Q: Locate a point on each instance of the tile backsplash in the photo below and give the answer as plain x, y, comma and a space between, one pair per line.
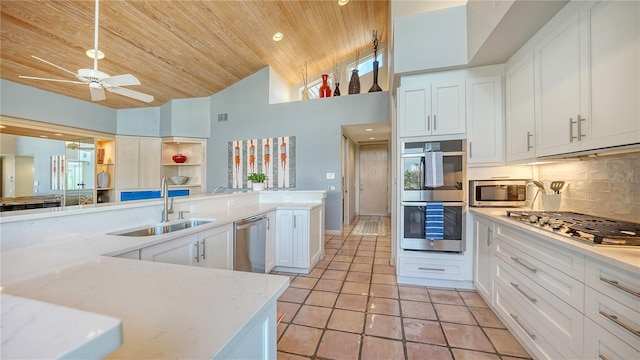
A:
607, 186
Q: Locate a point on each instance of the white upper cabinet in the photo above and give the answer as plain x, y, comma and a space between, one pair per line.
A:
520, 118
610, 32
431, 108
485, 129
557, 90
587, 80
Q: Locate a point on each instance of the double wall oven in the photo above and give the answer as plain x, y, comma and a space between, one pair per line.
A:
433, 194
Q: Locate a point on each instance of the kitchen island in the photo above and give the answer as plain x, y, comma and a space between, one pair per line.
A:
166, 310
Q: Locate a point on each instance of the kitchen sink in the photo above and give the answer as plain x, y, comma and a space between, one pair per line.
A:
163, 228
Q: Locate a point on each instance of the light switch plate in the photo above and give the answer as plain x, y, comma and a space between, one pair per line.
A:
331, 176
196, 208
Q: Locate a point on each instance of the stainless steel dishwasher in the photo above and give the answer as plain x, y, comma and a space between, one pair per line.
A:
250, 236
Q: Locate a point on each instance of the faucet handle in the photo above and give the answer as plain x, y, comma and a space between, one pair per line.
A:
181, 214
170, 211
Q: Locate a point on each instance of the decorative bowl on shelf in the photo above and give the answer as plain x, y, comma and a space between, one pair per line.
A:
178, 179
179, 158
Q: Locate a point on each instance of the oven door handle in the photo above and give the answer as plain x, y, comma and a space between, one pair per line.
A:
424, 203
421, 171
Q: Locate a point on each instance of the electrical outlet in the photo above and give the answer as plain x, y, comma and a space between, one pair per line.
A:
332, 187
196, 208
231, 203
331, 176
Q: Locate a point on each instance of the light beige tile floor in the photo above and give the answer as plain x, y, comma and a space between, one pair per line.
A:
350, 307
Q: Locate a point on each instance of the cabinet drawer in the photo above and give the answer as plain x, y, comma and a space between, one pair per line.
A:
445, 269
556, 318
601, 344
559, 284
620, 320
521, 323
622, 285
540, 248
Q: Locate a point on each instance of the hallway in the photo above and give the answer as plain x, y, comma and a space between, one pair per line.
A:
350, 307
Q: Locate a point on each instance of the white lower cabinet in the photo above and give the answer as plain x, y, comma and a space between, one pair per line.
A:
433, 266
558, 303
483, 259
298, 239
210, 248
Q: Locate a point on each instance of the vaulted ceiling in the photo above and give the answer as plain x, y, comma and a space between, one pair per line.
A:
181, 49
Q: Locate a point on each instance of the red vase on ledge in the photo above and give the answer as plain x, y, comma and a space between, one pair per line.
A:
179, 158
325, 89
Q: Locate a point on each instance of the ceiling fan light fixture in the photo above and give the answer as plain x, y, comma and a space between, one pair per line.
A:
91, 54
343, 2
278, 36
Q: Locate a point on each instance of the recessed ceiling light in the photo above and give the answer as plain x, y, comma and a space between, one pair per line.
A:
2, 126
91, 53
343, 2
44, 136
57, 134
278, 36
368, 129
372, 138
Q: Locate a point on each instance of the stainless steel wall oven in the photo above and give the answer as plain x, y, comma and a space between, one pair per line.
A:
433, 196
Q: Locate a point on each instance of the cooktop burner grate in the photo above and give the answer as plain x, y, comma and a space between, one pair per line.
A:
593, 229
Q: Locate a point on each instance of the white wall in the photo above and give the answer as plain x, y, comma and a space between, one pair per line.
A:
431, 40
315, 123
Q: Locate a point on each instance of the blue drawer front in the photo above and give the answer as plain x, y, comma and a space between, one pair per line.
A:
150, 194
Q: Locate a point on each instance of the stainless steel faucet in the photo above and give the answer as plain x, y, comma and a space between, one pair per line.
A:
217, 188
164, 192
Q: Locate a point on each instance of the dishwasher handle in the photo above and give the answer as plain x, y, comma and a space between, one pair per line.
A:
247, 223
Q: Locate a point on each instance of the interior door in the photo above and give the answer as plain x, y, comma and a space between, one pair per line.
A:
373, 180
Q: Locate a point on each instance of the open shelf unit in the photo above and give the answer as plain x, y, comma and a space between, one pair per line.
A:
194, 167
108, 165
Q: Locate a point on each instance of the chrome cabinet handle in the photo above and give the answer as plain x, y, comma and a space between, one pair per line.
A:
571, 137
197, 245
434, 122
489, 232
429, 122
523, 264
430, 269
203, 251
621, 287
515, 318
529, 135
620, 323
580, 120
268, 224
517, 287
295, 223
470, 149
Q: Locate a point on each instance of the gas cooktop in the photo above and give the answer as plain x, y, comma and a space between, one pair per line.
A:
586, 228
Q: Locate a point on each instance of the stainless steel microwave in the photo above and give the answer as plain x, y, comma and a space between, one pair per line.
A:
497, 193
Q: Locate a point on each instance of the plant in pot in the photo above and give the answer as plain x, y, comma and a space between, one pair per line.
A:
257, 181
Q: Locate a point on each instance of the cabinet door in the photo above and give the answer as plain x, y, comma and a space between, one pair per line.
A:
483, 257
414, 110
285, 239
485, 121
216, 248
127, 160
270, 248
557, 76
149, 170
448, 110
520, 111
301, 238
182, 251
610, 33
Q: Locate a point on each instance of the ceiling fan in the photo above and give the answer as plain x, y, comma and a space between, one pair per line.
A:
97, 80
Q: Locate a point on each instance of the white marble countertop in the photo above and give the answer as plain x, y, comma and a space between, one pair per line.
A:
166, 310
48, 333
622, 256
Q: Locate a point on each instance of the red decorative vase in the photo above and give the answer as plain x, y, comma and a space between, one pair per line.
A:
179, 158
325, 89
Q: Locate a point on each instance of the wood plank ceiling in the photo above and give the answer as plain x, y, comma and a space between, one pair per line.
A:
181, 49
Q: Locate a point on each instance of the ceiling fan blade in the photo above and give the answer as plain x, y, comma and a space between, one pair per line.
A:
47, 79
97, 93
132, 94
121, 80
52, 64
